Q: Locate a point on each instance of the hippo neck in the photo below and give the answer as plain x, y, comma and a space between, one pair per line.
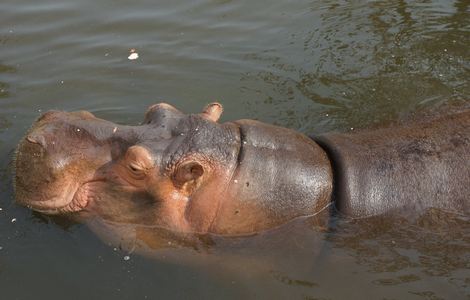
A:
405, 169
280, 175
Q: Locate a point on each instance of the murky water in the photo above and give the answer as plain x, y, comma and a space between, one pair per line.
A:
310, 65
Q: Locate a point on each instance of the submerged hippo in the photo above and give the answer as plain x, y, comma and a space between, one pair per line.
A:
188, 173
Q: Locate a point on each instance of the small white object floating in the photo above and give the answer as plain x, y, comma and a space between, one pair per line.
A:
134, 55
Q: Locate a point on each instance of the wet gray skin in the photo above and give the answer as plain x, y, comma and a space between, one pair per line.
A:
181, 172
188, 173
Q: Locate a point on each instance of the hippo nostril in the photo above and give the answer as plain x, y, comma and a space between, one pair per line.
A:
31, 140
35, 139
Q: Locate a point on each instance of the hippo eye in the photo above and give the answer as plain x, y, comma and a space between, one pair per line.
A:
137, 161
135, 168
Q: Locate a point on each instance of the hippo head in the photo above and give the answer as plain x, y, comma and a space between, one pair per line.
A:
182, 172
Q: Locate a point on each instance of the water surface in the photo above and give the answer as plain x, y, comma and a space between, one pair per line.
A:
313, 66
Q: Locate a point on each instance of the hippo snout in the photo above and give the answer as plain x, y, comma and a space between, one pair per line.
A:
56, 157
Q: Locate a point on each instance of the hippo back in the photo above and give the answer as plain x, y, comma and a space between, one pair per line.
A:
408, 168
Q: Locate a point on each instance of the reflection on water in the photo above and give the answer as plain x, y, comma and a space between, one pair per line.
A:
400, 252
388, 251
309, 65
436, 242
370, 63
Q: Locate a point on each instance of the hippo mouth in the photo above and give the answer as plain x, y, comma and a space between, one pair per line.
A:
75, 198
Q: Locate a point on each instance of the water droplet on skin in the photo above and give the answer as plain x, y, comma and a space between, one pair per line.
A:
78, 129
352, 128
236, 181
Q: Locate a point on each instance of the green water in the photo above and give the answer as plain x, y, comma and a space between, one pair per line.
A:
313, 66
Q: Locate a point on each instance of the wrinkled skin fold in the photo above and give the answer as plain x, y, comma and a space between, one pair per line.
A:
190, 174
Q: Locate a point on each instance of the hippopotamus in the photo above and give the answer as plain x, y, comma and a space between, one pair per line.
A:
189, 173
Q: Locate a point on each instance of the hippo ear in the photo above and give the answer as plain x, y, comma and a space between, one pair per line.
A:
212, 112
188, 176
157, 113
